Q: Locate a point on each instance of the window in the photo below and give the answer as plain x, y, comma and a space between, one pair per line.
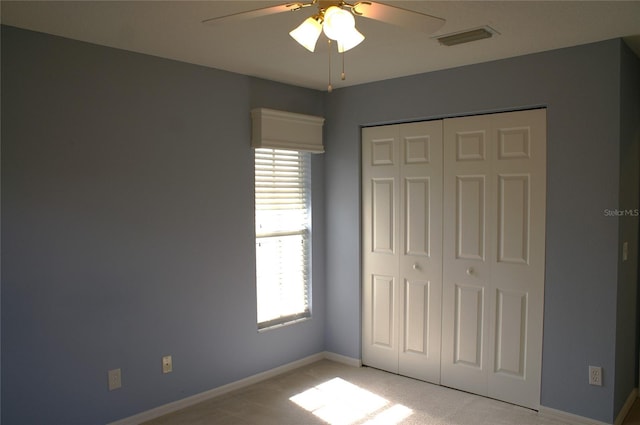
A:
283, 236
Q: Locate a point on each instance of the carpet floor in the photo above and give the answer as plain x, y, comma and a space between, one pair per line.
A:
326, 392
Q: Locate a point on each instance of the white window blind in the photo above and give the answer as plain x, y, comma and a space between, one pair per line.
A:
282, 193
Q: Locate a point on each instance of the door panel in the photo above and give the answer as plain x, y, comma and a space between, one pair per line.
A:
383, 151
513, 219
417, 207
514, 142
469, 217
416, 317
511, 333
468, 325
466, 244
506, 151
470, 145
517, 272
402, 223
383, 306
383, 215
380, 223
420, 262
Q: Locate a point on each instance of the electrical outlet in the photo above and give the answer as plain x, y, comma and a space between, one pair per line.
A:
115, 379
167, 364
595, 375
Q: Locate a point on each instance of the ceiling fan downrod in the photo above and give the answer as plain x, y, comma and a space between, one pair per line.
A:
329, 87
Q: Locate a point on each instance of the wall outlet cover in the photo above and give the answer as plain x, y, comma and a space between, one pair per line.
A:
595, 375
167, 364
115, 379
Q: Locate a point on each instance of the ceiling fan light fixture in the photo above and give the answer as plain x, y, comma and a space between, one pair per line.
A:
336, 19
338, 23
307, 33
350, 40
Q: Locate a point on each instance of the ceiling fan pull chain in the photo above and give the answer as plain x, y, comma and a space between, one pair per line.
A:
330, 87
343, 74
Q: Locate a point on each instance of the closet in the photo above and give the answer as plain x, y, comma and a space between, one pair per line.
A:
453, 216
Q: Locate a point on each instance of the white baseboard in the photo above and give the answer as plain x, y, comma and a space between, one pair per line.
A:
197, 398
626, 407
339, 358
566, 417
571, 419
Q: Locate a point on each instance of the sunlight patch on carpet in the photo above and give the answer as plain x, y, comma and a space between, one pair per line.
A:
339, 402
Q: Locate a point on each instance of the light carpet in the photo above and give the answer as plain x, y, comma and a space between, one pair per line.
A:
326, 392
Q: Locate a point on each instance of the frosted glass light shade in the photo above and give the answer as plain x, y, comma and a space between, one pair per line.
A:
307, 33
337, 22
350, 40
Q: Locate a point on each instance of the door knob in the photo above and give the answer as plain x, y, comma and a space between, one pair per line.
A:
470, 271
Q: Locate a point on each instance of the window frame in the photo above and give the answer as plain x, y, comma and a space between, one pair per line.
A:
296, 226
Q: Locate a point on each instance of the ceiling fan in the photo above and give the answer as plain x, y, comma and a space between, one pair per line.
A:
336, 19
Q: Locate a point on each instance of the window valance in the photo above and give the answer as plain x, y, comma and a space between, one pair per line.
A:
286, 130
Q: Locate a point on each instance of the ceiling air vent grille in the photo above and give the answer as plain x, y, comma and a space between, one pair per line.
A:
466, 36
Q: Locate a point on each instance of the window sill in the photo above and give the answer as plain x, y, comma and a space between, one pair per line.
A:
285, 324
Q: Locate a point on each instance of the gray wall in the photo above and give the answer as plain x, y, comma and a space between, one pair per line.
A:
127, 221
128, 230
580, 87
626, 335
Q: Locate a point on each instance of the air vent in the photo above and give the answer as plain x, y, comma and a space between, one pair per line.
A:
466, 36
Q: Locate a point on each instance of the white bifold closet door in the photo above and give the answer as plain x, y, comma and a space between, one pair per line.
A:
453, 252
402, 260
493, 255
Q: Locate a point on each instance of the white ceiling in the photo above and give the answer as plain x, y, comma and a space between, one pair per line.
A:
262, 47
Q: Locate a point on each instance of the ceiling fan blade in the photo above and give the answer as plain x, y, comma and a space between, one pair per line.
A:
397, 16
256, 13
